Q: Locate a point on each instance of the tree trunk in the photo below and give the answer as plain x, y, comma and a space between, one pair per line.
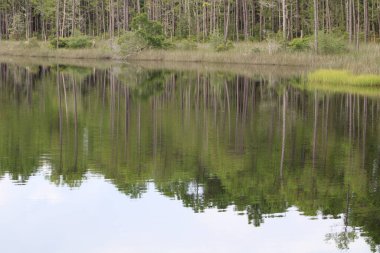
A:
73, 18
316, 25
237, 20
57, 21
284, 14
245, 19
126, 15
366, 26
226, 18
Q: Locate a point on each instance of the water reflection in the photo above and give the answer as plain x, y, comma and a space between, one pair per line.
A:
212, 140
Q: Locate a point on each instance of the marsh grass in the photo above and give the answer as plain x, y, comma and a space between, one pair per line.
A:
340, 81
369, 91
43, 49
343, 77
366, 60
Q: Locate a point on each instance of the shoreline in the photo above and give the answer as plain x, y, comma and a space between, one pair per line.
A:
366, 60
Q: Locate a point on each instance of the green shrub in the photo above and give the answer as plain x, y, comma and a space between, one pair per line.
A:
72, 42
187, 44
62, 43
331, 44
299, 44
131, 43
79, 42
150, 31
219, 44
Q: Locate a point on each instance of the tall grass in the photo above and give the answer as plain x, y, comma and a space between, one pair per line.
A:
366, 60
369, 91
43, 49
343, 77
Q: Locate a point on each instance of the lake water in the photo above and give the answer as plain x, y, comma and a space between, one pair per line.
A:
122, 158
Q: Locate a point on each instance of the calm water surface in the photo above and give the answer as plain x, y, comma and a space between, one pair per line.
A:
124, 159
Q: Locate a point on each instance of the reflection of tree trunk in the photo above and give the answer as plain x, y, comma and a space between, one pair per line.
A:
154, 128
283, 134
364, 129
75, 126
64, 94
60, 120
245, 99
347, 208
315, 127
139, 135
326, 129
350, 118
228, 107
126, 93
226, 19
237, 113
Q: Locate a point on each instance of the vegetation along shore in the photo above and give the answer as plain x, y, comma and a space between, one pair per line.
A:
322, 34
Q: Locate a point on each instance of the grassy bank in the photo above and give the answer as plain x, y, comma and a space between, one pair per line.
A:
43, 49
366, 60
341, 81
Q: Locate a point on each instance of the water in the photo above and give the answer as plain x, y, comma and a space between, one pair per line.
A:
120, 158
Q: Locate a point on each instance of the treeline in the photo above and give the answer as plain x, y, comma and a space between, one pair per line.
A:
234, 19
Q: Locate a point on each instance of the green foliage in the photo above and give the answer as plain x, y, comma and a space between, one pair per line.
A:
150, 31
32, 43
79, 42
219, 44
299, 44
182, 28
342, 77
187, 44
17, 29
131, 43
331, 44
60, 43
191, 152
72, 42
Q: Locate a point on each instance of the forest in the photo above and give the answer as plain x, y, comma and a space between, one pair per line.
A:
198, 20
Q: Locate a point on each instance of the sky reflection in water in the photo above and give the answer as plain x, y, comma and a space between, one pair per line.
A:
41, 217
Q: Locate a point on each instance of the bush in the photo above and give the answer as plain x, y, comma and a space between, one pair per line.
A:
31, 43
219, 44
131, 43
187, 45
72, 42
150, 31
79, 42
62, 43
331, 44
299, 44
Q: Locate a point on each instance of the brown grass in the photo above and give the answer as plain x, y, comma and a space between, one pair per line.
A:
15, 48
366, 60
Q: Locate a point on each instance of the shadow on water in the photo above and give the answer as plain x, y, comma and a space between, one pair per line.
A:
209, 138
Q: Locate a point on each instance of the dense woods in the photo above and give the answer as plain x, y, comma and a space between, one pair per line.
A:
198, 19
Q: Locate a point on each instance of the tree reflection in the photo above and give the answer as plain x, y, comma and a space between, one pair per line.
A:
211, 140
